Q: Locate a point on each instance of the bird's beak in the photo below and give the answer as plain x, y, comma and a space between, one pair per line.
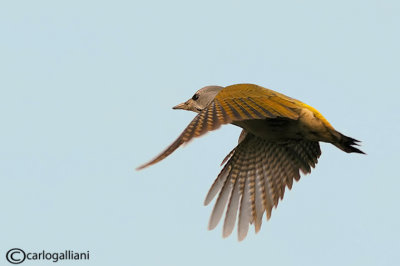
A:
183, 106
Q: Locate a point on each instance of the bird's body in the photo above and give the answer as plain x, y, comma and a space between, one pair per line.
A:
280, 137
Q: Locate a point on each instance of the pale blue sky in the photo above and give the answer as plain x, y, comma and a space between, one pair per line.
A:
86, 94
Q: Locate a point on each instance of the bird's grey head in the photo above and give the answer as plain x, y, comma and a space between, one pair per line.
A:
200, 99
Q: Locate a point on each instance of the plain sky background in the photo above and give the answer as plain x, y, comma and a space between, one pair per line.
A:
86, 90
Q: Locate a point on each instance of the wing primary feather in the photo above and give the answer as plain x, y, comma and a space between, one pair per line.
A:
223, 197
290, 171
297, 164
231, 212
272, 175
288, 168
178, 142
227, 157
251, 188
282, 174
259, 193
218, 184
270, 199
244, 212
263, 182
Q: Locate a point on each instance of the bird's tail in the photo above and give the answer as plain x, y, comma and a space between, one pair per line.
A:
347, 144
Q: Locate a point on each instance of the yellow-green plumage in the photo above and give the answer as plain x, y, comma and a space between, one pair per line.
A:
280, 137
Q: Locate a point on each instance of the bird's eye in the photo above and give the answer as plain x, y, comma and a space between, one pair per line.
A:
195, 97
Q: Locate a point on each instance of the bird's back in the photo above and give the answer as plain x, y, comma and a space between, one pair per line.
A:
288, 118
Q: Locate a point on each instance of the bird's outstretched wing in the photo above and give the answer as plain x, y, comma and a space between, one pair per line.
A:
254, 179
234, 103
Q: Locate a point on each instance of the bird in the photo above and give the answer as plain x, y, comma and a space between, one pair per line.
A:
279, 139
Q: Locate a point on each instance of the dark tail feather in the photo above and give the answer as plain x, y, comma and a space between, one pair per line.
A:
347, 144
